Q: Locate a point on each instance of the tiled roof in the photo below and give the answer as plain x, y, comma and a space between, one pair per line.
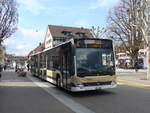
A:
40, 48
58, 31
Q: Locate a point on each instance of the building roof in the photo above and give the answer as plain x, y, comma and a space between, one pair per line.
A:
61, 31
40, 48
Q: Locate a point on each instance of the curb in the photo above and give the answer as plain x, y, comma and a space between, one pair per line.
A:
133, 83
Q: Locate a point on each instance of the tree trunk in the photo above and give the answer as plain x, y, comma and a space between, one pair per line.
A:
134, 59
148, 62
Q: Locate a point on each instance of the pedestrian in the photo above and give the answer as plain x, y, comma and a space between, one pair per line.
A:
16, 68
136, 66
5, 67
28, 66
126, 65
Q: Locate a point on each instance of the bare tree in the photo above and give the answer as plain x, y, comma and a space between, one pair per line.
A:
145, 23
144, 15
8, 18
125, 24
98, 32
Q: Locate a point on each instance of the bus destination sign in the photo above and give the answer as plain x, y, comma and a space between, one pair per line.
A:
94, 44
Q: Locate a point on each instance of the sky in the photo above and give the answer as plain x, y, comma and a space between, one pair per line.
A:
35, 15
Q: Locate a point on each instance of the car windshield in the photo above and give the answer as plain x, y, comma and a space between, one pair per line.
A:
94, 61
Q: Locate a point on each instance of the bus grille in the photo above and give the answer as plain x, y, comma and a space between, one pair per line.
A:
97, 83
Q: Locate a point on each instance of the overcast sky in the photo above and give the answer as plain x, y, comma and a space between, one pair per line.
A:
35, 15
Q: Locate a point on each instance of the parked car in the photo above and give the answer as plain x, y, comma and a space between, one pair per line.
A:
141, 66
21, 72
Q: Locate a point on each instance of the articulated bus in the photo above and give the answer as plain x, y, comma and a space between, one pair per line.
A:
77, 65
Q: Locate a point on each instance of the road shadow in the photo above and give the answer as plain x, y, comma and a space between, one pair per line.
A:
12, 76
77, 94
86, 93
28, 99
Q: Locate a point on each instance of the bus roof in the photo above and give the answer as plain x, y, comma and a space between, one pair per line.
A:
72, 41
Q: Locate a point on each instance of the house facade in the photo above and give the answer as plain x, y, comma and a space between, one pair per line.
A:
59, 34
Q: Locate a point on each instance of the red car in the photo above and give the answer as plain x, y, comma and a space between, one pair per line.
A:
21, 72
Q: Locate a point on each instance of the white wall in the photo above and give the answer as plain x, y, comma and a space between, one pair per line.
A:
48, 39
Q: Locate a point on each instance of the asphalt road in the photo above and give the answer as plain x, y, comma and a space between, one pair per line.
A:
21, 95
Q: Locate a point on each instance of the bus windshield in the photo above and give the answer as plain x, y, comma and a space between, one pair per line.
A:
95, 62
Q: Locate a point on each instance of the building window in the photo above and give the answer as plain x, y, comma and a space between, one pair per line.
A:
67, 33
49, 41
80, 34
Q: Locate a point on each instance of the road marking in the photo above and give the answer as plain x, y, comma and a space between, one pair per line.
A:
74, 106
17, 84
131, 83
11, 80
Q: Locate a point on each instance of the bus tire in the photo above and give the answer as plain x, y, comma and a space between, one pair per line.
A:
58, 82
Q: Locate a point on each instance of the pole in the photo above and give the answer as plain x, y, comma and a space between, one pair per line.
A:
147, 38
148, 62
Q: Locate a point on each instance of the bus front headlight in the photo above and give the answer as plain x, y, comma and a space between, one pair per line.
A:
113, 83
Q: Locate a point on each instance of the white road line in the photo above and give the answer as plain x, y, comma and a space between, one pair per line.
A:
74, 106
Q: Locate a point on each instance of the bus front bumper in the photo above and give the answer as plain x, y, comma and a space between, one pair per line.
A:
88, 88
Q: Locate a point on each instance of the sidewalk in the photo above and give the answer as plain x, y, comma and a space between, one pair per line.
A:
130, 77
130, 70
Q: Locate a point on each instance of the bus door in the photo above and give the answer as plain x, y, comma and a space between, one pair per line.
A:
65, 71
65, 64
38, 65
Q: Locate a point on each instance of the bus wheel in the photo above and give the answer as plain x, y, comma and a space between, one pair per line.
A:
58, 82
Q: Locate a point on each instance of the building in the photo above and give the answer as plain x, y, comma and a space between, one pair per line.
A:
12, 60
58, 34
123, 60
39, 48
